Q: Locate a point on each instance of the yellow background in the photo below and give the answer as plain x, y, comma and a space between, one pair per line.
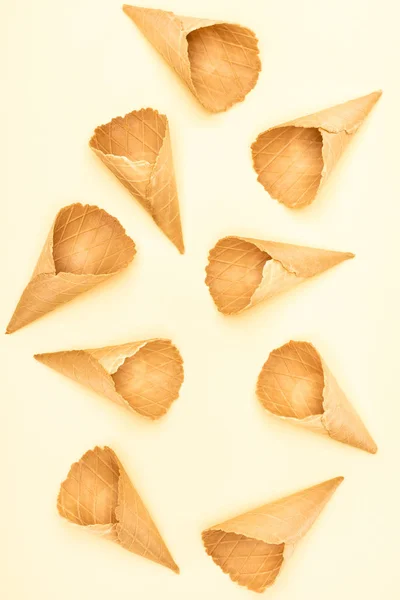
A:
73, 65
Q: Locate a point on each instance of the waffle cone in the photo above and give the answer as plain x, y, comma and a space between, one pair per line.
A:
251, 547
294, 160
137, 149
98, 495
296, 385
143, 376
242, 272
218, 61
85, 247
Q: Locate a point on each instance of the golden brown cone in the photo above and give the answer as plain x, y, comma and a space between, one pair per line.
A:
243, 271
85, 247
98, 495
251, 547
144, 376
294, 160
137, 149
296, 385
218, 61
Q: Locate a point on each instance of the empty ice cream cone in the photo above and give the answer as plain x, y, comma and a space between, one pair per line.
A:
99, 496
243, 271
251, 547
218, 61
295, 159
137, 149
144, 376
296, 385
85, 247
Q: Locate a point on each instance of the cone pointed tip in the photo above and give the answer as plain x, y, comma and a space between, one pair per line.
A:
128, 8
39, 357
178, 243
375, 94
348, 255
176, 569
11, 328
336, 481
344, 256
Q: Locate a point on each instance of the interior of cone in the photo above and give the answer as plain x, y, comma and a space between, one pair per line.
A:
291, 382
224, 64
87, 240
89, 495
234, 273
150, 380
137, 136
289, 163
249, 562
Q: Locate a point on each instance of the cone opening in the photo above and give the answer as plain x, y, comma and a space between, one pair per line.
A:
89, 495
289, 163
224, 64
249, 562
138, 136
291, 382
150, 380
87, 240
234, 272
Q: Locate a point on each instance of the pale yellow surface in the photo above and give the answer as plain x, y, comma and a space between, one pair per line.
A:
73, 65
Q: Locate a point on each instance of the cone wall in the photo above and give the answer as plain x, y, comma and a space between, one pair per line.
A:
218, 61
85, 247
295, 384
252, 547
242, 272
137, 150
143, 376
294, 160
99, 496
